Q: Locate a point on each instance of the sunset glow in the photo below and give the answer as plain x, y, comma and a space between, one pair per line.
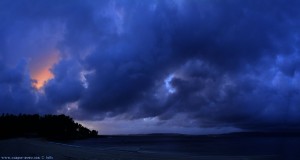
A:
40, 68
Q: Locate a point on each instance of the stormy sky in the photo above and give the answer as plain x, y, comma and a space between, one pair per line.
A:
132, 66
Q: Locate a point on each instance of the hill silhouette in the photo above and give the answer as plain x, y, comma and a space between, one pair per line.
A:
55, 127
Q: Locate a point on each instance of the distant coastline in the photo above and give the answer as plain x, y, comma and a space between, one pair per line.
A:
231, 134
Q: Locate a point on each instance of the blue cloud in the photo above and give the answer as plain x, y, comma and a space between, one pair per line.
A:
234, 63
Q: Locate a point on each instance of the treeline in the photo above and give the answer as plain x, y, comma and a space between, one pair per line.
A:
55, 127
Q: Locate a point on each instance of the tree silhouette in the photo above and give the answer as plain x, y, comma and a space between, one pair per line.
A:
56, 127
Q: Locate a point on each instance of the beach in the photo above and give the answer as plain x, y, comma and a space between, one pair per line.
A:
32, 148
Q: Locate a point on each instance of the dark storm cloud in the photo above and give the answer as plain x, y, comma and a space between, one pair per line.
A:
233, 37
220, 63
252, 100
28, 31
15, 89
66, 87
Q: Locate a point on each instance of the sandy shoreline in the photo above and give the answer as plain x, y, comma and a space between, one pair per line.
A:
21, 148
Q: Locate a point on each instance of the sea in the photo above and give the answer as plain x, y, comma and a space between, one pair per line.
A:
285, 147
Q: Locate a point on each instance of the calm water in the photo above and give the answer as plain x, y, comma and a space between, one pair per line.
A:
283, 147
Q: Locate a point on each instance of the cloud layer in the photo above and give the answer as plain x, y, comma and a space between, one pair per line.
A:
207, 63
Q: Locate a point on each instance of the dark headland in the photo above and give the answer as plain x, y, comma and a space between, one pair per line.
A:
51, 127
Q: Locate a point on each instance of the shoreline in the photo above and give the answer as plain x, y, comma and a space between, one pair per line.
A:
42, 149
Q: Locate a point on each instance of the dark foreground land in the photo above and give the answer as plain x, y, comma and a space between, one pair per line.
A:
224, 147
54, 127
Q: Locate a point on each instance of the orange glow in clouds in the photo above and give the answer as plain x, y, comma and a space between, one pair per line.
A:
40, 68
